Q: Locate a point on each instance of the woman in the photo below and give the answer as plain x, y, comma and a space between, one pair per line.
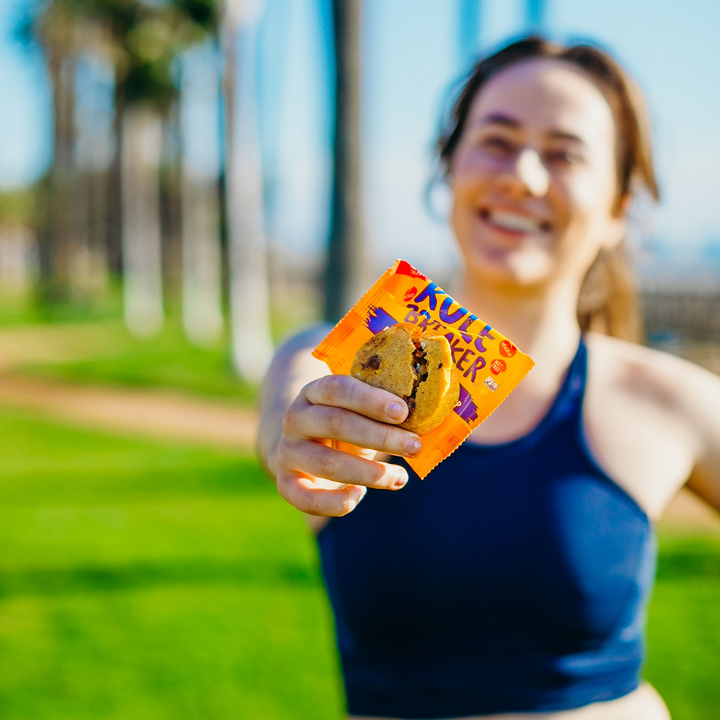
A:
513, 581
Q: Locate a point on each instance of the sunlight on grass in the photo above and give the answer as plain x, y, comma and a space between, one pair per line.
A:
149, 580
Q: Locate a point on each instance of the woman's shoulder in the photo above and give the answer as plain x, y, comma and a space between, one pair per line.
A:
655, 421
665, 380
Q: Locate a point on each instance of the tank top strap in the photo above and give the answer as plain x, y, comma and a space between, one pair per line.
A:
569, 400
577, 374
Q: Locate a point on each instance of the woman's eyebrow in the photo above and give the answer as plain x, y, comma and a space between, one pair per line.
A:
510, 122
499, 119
564, 135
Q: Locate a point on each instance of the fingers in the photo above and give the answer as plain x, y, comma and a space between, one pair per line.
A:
332, 423
352, 394
319, 479
317, 497
319, 461
305, 495
345, 409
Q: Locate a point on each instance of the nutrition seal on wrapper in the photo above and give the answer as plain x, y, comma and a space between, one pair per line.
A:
406, 335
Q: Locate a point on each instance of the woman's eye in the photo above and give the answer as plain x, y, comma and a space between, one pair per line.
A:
498, 145
563, 157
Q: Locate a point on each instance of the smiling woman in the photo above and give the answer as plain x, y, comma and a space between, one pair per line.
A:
514, 580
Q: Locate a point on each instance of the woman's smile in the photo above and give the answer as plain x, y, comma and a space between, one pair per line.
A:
514, 224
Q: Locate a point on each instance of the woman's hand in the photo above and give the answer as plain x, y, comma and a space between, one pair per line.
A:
317, 477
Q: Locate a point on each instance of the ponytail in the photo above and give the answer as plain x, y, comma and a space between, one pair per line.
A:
608, 301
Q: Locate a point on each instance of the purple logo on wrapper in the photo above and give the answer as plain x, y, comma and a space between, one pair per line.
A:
378, 320
465, 407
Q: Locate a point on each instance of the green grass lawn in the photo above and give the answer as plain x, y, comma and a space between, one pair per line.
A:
151, 580
143, 580
684, 627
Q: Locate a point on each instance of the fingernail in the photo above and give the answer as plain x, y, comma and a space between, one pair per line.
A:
413, 446
363, 492
401, 481
395, 410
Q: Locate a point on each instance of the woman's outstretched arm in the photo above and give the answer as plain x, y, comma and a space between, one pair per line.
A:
306, 416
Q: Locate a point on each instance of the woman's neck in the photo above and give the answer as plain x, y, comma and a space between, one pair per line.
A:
541, 321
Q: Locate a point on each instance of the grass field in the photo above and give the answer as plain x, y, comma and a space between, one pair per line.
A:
147, 580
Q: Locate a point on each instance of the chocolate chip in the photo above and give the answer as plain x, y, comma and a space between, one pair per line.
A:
373, 363
411, 404
439, 366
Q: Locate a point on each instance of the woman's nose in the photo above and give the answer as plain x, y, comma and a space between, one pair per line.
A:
530, 175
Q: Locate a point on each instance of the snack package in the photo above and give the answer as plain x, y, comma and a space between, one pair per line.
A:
488, 366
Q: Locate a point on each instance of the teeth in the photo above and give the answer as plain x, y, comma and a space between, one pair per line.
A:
510, 221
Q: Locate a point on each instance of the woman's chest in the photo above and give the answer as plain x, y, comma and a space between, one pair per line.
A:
493, 545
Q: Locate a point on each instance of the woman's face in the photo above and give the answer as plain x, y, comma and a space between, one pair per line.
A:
534, 177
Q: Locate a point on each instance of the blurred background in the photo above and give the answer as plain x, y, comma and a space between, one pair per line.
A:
170, 182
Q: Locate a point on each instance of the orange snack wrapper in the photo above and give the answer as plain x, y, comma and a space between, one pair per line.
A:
489, 365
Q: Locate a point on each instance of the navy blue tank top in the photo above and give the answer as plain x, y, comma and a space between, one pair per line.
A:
513, 579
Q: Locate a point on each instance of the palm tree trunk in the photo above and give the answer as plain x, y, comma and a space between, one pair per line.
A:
202, 279
345, 273
141, 237
62, 176
201, 260
114, 184
251, 339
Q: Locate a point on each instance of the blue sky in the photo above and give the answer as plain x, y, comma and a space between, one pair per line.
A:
411, 57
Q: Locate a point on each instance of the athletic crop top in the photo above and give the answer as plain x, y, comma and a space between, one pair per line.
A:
513, 579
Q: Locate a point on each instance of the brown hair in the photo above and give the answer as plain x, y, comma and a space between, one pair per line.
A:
608, 300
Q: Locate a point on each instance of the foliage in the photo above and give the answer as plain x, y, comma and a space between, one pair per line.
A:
143, 39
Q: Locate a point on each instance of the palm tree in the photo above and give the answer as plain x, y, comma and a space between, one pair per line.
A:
141, 229
201, 248
143, 39
249, 284
147, 42
345, 278
55, 30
